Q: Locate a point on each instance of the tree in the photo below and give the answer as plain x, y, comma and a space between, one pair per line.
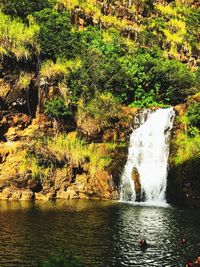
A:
57, 109
56, 38
23, 8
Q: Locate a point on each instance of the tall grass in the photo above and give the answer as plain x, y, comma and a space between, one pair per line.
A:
67, 148
187, 148
38, 172
70, 148
58, 70
18, 39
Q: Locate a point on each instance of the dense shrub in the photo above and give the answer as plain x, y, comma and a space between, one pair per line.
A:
57, 109
192, 35
56, 38
149, 75
108, 61
194, 115
61, 260
23, 8
99, 112
17, 39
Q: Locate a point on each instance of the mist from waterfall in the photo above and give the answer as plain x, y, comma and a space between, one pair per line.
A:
148, 156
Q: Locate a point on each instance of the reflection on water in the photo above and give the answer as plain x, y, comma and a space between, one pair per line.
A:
102, 233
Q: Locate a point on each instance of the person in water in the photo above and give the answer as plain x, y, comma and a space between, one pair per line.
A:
189, 264
143, 244
197, 262
183, 241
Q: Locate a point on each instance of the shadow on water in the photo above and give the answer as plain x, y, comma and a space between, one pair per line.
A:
101, 233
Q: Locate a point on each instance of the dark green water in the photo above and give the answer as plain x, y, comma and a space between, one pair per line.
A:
101, 233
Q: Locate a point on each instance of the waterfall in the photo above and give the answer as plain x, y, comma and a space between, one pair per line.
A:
145, 173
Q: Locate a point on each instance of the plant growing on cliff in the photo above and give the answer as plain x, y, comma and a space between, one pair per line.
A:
24, 80
31, 163
67, 148
17, 39
99, 112
57, 109
55, 37
72, 149
24, 8
194, 115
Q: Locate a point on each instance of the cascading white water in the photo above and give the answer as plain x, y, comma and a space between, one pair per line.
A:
148, 154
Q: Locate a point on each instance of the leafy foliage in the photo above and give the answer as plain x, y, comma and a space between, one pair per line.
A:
61, 260
194, 115
98, 113
18, 39
25, 7
143, 70
57, 109
56, 38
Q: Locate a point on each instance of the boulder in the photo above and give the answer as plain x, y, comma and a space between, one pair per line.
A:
135, 176
69, 194
27, 194
16, 195
83, 196
6, 193
40, 196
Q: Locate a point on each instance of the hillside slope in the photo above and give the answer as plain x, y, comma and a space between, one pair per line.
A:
73, 74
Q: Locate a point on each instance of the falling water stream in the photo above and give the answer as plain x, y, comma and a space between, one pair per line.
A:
148, 158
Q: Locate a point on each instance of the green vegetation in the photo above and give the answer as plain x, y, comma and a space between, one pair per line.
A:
186, 145
18, 39
85, 65
194, 115
57, 109
47, 154
61, 260
98, 113
183, 180
145, 69
24, 8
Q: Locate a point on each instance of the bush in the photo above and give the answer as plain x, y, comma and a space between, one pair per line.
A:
61, 260
23, 8
194, 115
91, 77
17, 39
99, 112
57, 109
56, 38
32, 162
59, 70
70, 148
67, 148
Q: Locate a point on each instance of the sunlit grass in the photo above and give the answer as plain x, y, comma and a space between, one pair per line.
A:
60, 69
18, 39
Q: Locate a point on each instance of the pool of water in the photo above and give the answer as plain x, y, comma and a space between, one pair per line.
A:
101, 233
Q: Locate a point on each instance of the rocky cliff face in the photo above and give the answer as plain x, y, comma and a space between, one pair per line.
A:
31, 169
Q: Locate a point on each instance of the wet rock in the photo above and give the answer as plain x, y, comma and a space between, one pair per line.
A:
83, 196
135, 176
16, 195
27, 195
6, 193
34, 185
51, 194
40, 196
69, 194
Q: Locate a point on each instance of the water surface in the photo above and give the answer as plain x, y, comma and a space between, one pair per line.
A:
101, 233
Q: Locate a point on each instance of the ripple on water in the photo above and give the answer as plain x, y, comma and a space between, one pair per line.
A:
103, 234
